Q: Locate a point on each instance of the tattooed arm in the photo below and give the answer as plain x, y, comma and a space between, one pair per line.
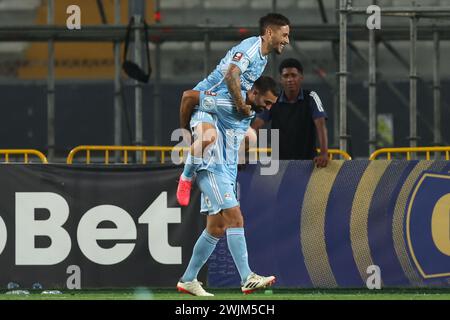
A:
233, 81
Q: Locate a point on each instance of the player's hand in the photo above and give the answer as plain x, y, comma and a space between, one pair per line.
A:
321, 161
246, 110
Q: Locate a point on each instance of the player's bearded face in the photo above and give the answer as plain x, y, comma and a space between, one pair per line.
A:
279, 38
263, 101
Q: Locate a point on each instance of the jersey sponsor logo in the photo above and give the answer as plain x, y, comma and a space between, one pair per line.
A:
428, 225
210, 93
209, 102
238, 56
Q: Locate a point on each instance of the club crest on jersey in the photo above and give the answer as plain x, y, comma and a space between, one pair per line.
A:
209, 102
238, 56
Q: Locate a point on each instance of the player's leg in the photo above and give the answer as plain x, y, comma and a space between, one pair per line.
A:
236, 240
203, 248
204, 135
238, 247
224, 197
206, 243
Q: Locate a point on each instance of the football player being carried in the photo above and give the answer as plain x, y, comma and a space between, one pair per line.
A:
236, 72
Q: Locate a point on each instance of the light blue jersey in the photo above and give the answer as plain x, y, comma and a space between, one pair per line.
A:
231, 125
248, 57
216, 176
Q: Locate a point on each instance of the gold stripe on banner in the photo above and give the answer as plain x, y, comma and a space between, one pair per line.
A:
359, 220
312, 233
398, 223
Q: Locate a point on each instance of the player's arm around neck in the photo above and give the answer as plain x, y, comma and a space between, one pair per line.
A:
233, 81
189, 100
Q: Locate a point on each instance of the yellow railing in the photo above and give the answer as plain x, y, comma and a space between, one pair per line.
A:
409, 151
25, 152
331, 152
125, 150
334, 152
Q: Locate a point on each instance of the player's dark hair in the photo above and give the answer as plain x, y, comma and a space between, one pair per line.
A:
264, 84
290, 63
272, 19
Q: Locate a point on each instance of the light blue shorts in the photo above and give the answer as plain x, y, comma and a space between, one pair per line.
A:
201, 117
218, 192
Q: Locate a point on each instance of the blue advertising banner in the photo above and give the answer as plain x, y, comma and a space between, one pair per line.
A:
93, 227
327, 227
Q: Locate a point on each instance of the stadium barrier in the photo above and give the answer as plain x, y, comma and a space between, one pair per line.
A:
125, 150
331, 153
22, 152
409, 150
120, 226
162, 150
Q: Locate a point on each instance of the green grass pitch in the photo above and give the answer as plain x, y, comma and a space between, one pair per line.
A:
227, 294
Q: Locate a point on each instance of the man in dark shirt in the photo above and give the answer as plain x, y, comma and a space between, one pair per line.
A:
299, 116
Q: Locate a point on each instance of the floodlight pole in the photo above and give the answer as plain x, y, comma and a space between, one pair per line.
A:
51, 85
372, 92
157, 117
137, 85
437, 89
343, 137
117, 84
413, 83
336, 90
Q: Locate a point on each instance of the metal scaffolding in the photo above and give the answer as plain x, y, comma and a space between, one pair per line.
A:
138, 100
51, 86
337, 33
414, 14
157, 113
372, 92
117, 83
437, 89
169, 33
